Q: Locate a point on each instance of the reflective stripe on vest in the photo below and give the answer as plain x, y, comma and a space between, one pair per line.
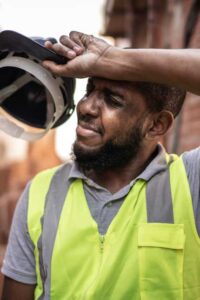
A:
141, 255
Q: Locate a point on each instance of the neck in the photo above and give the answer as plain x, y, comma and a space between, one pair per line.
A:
115, 179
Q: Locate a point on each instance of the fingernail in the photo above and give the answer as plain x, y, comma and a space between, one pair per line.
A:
77, 48
71, 54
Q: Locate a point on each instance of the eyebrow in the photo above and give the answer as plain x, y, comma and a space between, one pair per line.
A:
113, 92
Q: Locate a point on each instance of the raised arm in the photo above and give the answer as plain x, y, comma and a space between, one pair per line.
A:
90, 56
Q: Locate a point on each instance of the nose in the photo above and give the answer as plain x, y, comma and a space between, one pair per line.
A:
88, 106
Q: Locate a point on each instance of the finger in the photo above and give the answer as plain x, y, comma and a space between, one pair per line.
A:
73, 45
61, 50
76, 37
55, 68
48, 45
84, 39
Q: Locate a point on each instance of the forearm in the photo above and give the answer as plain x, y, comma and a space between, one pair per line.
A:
180, 67
14, 290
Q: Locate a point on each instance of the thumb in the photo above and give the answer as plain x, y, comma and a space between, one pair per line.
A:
53, 67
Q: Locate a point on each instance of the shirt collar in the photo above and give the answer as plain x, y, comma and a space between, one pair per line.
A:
157, 165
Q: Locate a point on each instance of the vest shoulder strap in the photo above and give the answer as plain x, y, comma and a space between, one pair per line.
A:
37, 193
47, 195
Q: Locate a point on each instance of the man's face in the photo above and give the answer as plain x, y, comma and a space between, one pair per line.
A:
109, 127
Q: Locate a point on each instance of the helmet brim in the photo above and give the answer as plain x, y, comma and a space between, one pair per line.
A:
14, 41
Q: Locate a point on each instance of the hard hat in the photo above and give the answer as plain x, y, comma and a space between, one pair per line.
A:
32, 100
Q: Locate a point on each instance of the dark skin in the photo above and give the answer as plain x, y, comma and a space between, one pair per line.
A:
108, 107
14, 290
90, 56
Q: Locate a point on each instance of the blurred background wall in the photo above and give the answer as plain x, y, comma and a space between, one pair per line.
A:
133, 23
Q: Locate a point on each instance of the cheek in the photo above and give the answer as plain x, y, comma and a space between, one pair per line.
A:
119, 123
111, 122
117, 126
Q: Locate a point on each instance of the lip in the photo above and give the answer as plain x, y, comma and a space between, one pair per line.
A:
87, 130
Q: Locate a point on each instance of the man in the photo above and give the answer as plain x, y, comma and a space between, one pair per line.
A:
121, 222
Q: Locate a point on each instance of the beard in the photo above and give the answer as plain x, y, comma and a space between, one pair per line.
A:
114, 154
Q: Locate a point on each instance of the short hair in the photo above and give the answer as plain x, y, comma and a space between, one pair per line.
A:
160, 97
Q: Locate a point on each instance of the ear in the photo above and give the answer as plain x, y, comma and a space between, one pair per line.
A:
159, 124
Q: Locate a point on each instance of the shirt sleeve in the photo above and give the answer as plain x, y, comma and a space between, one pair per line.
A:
19, 260
191, 161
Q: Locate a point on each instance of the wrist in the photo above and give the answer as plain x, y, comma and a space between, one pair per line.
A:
117, 64
105, 66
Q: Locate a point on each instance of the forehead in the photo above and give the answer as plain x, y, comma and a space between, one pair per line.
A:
112, 84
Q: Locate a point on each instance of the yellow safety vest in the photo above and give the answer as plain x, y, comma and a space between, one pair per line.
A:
136, 259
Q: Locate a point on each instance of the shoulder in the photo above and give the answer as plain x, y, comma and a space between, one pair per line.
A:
44, 183
41, 185
191, 157
191, 160
48, 174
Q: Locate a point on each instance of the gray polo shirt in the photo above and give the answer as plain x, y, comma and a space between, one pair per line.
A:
19, 262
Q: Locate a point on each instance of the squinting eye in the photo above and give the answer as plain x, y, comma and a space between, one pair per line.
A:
113, 100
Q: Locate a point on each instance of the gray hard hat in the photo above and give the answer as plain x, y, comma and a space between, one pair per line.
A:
28, 92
